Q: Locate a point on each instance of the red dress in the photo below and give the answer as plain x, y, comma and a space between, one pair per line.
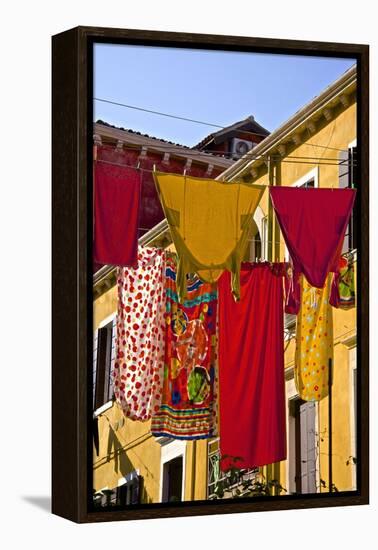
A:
251, 368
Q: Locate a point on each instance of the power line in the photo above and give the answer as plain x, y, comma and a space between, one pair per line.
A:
158, 113
178, 117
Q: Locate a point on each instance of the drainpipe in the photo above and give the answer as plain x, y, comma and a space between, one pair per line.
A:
271, 232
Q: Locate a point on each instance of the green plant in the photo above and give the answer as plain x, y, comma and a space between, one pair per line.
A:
239, 482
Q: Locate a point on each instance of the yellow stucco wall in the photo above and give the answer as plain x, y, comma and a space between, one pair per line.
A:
339, 134
126, 447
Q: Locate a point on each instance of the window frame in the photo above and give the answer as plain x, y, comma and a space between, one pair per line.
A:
171, 449
107, 404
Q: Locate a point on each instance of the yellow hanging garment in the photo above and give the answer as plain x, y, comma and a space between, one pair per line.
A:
209, 222
314, 348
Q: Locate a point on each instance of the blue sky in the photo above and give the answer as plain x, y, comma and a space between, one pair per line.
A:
217, 87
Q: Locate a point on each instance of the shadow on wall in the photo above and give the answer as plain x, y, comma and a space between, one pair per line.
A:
122, 463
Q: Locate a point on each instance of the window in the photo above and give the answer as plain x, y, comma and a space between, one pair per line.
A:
264, 238
172, 469
308, 181
220, 484
129, 491
172, 480
258, 238
348, 178
103, 363
303, 446
308, 184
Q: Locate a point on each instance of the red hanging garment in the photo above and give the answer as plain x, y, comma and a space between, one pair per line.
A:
116, 215
313, 223
251, 368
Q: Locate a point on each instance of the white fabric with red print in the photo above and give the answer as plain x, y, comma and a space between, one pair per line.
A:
139, 366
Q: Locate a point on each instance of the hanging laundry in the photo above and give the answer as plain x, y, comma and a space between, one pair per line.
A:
139, 367
252, 419
209, 222
314, 347
313, 223
116, 214
188, 408
343, 294
292, 290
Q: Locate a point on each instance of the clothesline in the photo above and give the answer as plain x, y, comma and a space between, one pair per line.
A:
262, 241
195, 152
192, 120
267, 156
283, 161
345, 254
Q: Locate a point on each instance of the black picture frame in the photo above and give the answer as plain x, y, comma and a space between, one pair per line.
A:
72, 70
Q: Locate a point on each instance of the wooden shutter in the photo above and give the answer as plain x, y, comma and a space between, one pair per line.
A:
100, 366
105, 359
136, 490
112, 358
344, 169
348, 178
131, 491
95, 343
96, 438
353, 183
308, 447
121, 494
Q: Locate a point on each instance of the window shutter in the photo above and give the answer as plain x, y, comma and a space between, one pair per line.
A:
95, 343
105, 359
348, 178
308, 447
101, 364
121, 495
344, 169
136, 490
353, 167
353, 183
112, 358
96, 439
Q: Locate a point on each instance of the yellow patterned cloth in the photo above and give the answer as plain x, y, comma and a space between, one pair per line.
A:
209, 222
314, 347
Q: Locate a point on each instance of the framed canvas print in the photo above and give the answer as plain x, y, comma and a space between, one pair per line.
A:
210, 274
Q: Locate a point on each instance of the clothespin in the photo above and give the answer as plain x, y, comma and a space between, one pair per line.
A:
188, 165
154, 168
138, 165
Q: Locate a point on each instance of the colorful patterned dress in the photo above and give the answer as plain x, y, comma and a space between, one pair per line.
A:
188, 407
343, 293
314, 349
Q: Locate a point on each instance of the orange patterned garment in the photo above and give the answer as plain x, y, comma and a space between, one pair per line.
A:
314, 348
